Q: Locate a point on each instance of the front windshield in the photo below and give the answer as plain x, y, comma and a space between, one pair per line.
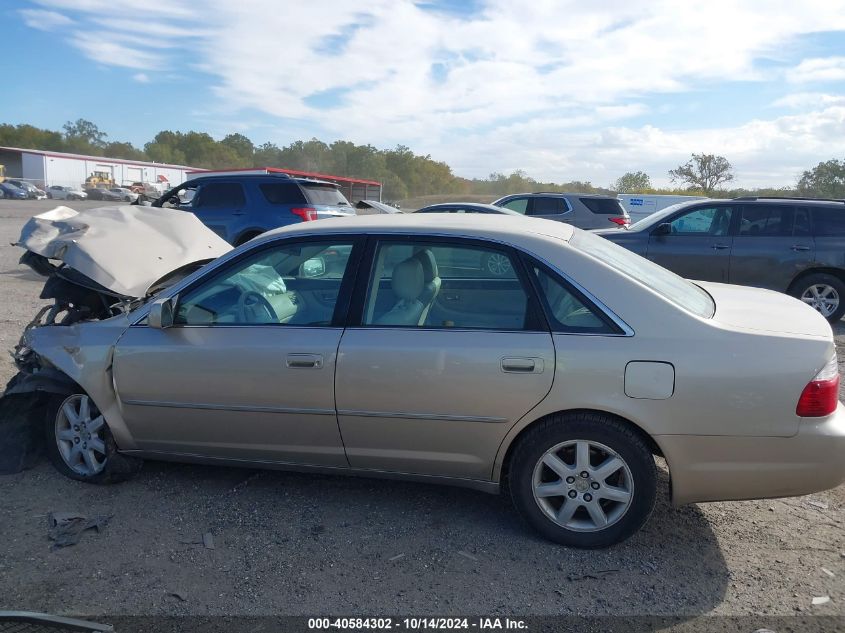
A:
676, 289
658, 216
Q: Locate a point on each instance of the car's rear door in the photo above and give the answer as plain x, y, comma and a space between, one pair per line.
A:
231, 379
698, 245
436, 394
772, 246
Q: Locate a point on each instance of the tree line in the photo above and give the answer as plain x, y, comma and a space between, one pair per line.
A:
403, 173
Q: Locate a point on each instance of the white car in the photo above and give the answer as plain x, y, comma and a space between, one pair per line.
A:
126, 194
57, 192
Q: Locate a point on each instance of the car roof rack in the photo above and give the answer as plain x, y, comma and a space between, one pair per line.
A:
790, 198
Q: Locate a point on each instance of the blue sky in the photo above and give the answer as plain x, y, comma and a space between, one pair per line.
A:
562, 89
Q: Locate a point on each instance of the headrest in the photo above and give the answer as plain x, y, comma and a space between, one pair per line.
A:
429, 264
408, 280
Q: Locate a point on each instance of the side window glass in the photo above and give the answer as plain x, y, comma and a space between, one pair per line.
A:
548, 206
520, 205
566, 311
703, 221
220, 195
766, 220
828, 222
801, 226
446, 285
273, 287
281, 193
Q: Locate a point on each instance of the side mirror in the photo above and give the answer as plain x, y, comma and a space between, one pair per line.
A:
161, 314
663, 229
314, 267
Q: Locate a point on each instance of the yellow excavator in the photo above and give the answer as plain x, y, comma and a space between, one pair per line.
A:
99, 178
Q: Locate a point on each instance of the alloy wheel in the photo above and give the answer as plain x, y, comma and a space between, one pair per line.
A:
498, 264
822, 297
80, 435
583, 485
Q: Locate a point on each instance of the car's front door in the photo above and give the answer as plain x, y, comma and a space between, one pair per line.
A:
772, 246
247, 370
221, 207
698, 244
443, 359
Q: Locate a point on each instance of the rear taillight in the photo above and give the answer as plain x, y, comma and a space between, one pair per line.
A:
821, 394
621, 221
306, 213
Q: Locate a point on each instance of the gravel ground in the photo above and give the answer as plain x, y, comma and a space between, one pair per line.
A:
303, 544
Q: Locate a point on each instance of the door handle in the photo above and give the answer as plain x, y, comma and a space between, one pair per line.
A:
800, 247
720, 247
304, 361
522, 365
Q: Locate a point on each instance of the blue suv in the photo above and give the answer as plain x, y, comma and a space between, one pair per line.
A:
239, 207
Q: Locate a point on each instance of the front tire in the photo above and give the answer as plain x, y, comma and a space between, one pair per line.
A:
823, 292
80, 444
583, 480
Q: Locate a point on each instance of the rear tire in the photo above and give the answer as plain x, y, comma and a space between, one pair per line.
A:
80, 444
583, 480
823, 292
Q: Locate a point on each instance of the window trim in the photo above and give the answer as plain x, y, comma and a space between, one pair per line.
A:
535, 315
616, 325
341, 307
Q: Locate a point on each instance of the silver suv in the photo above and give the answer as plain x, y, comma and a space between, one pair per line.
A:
584, 210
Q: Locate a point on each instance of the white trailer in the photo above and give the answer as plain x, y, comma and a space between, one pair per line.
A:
641, 205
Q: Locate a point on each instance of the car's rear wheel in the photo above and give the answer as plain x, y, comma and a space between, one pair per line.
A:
823, 292
80, 444
583, 480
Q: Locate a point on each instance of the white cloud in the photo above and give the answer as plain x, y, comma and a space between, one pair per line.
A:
808, 100
542, 85
44, 20
141, 78
818, 69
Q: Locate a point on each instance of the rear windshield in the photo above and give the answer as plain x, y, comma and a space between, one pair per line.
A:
325, 194
605, 206
676, 289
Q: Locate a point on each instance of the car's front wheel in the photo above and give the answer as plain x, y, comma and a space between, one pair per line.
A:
80, 444
583, 479
823, 292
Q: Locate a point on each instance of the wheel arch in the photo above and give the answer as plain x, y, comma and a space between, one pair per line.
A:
506, 450
817, 270
246, 235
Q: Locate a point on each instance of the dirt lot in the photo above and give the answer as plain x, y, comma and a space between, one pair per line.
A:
297, 544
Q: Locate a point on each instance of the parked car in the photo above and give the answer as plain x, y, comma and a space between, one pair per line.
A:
792, 245
101, 193
12, 192
641, 205
561, 380
58, 192
127, 195
584, 210
466, 207
32, 192
240, 207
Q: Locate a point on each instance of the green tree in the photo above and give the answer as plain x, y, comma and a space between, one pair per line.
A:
242, 147
632, 182
825, 180
704, 172
84, 136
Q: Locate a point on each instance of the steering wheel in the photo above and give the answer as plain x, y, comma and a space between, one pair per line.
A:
253, 307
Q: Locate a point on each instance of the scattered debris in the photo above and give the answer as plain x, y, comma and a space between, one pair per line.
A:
821, 600
393, 559
246, 482
182, 595
66, 528
467, 555
560, 592
593, 575
208, 540
827, 572
841, 554
818, 504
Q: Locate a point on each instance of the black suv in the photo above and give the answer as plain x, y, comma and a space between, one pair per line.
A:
792, 245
